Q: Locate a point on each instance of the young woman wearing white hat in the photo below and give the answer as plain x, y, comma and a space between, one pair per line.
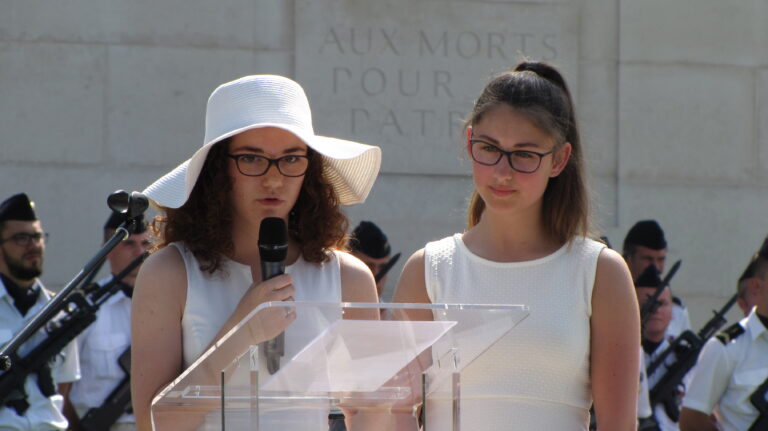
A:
260, 159
527, 243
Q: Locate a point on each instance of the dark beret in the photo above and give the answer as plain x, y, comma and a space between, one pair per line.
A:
646, 233
763, 252
751, 268
368, 239
17, 207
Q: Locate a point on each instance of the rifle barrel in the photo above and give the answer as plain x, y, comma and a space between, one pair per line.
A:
718, 320
57, 303
652, 304
101, 294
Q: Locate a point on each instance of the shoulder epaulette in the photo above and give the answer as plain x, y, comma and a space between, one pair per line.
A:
730, 334
678, 301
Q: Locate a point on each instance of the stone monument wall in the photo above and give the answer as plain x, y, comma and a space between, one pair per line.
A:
672, 97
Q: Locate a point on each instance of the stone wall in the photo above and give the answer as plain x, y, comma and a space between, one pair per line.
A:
672, 96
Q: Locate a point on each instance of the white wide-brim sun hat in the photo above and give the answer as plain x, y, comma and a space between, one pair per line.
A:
271, 101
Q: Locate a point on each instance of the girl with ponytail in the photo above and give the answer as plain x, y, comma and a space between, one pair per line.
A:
527, 242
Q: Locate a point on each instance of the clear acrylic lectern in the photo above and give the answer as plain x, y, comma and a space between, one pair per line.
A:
383, 366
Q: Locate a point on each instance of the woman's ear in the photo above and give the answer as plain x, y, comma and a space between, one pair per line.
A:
561, 157
469, 137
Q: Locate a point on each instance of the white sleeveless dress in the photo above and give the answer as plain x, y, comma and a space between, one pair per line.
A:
537, 376
212, 298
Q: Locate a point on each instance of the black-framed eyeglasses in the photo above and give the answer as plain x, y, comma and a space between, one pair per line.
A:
253, 165
488, 154
23, 239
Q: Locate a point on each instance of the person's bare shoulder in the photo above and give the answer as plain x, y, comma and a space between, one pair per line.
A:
612, 271
357, 282
158, 304
412, 285
162, 277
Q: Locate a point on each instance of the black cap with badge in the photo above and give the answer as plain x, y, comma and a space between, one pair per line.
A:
368, 239
17, 207
646, 233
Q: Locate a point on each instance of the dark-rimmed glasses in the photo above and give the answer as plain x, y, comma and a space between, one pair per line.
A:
253, 165
488, 154
24, 239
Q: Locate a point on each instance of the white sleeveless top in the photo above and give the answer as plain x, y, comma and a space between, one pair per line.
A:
212, 298
537, 376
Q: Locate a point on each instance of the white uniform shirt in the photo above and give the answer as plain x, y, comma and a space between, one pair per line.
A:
727, 375
643, 398
680, 322
99, 346
44, 413
665, 423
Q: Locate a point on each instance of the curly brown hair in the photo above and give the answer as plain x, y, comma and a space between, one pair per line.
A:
204, 222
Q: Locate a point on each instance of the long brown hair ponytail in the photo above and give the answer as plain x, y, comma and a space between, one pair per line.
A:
539, 91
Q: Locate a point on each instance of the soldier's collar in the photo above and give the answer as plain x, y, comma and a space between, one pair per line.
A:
763, 320
754, 325
24, 298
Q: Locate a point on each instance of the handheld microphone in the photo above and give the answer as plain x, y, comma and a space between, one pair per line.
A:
273, 249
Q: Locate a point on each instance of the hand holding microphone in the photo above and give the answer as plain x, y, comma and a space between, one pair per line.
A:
273, 249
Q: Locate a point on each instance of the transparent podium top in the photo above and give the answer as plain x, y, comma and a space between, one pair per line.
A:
289, 365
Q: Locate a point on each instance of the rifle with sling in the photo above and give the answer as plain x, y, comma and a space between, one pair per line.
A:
686, 348
80, 313
652, 304
77, 308
115, 405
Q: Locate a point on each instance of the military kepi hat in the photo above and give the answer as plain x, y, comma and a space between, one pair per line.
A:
368, 239
116, 219
646, 233
17, 207
763, 252
751, 269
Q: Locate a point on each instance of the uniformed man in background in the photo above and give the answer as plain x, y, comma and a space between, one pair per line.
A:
655, 341
105, 340
38, 405
369, 244
730, 381
645, 244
